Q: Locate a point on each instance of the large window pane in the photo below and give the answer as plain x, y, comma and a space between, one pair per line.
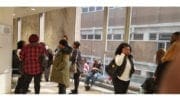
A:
152, 36
116, 28
117, 36
157, 25
92, 23
138, 36
85, 9
99, 8
91, 9
164, 36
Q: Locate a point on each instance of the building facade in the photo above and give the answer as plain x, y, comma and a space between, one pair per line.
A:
151, 29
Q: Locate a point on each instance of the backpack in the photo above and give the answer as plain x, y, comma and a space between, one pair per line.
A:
112, 69
149, 85
43, 60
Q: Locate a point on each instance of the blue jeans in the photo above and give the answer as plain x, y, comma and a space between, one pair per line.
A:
92, 76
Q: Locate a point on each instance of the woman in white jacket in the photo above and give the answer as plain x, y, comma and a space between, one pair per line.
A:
125, 68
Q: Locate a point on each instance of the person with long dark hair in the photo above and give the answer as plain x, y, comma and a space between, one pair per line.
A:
124, 61
76, 59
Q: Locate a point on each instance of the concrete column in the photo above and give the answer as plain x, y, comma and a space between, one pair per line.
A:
19, 29
78, 24
42, 25
105, 31
127, 24
6, 22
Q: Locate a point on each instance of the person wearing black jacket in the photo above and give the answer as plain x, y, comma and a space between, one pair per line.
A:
125, 68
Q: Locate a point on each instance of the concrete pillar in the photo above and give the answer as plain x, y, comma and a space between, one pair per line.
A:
19, 29
105, 31
42, 26
127, 24
78, 24
6, 22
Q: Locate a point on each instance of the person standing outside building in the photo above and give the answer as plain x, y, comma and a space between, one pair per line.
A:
76, 59
31, 64
61, 64
124, 60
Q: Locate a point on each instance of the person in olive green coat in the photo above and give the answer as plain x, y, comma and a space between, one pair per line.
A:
60, 69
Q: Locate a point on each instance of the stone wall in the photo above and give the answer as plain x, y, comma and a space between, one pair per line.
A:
15, 33
30, 25
57, 23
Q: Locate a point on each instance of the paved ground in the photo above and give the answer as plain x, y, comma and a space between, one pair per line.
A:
51, 88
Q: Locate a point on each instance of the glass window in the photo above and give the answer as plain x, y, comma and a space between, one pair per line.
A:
85, 9
138, 36
91, 9
109, 37
152, 36
99, 8
161, 45
98, 31
166, 36
97, 36
117, 36
86, 31
83, 36
90, 36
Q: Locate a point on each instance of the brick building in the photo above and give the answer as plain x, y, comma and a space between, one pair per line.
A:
151, 28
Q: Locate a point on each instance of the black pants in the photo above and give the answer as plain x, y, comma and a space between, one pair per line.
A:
76, 81
25, 80
120, 87
62, 89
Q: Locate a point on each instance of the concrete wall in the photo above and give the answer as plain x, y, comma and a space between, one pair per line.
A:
15, 33
57, 23
6, 22
30, 25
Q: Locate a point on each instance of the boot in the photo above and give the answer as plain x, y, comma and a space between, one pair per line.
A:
74, 92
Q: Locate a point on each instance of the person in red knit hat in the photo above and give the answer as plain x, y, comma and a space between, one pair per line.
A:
31, 65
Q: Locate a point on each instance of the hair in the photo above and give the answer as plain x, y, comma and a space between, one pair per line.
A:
159, 54
77, 44
120, 47
33, 38
175, 37
43, 44
65, 37
176, 33
20, 44
63, 42
171, 53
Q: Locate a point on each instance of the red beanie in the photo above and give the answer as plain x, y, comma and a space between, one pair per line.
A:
33, 38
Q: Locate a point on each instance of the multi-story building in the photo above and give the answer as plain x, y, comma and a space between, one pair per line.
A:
151, 29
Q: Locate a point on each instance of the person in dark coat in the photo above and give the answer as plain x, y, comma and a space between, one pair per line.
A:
125, 69
61, 64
